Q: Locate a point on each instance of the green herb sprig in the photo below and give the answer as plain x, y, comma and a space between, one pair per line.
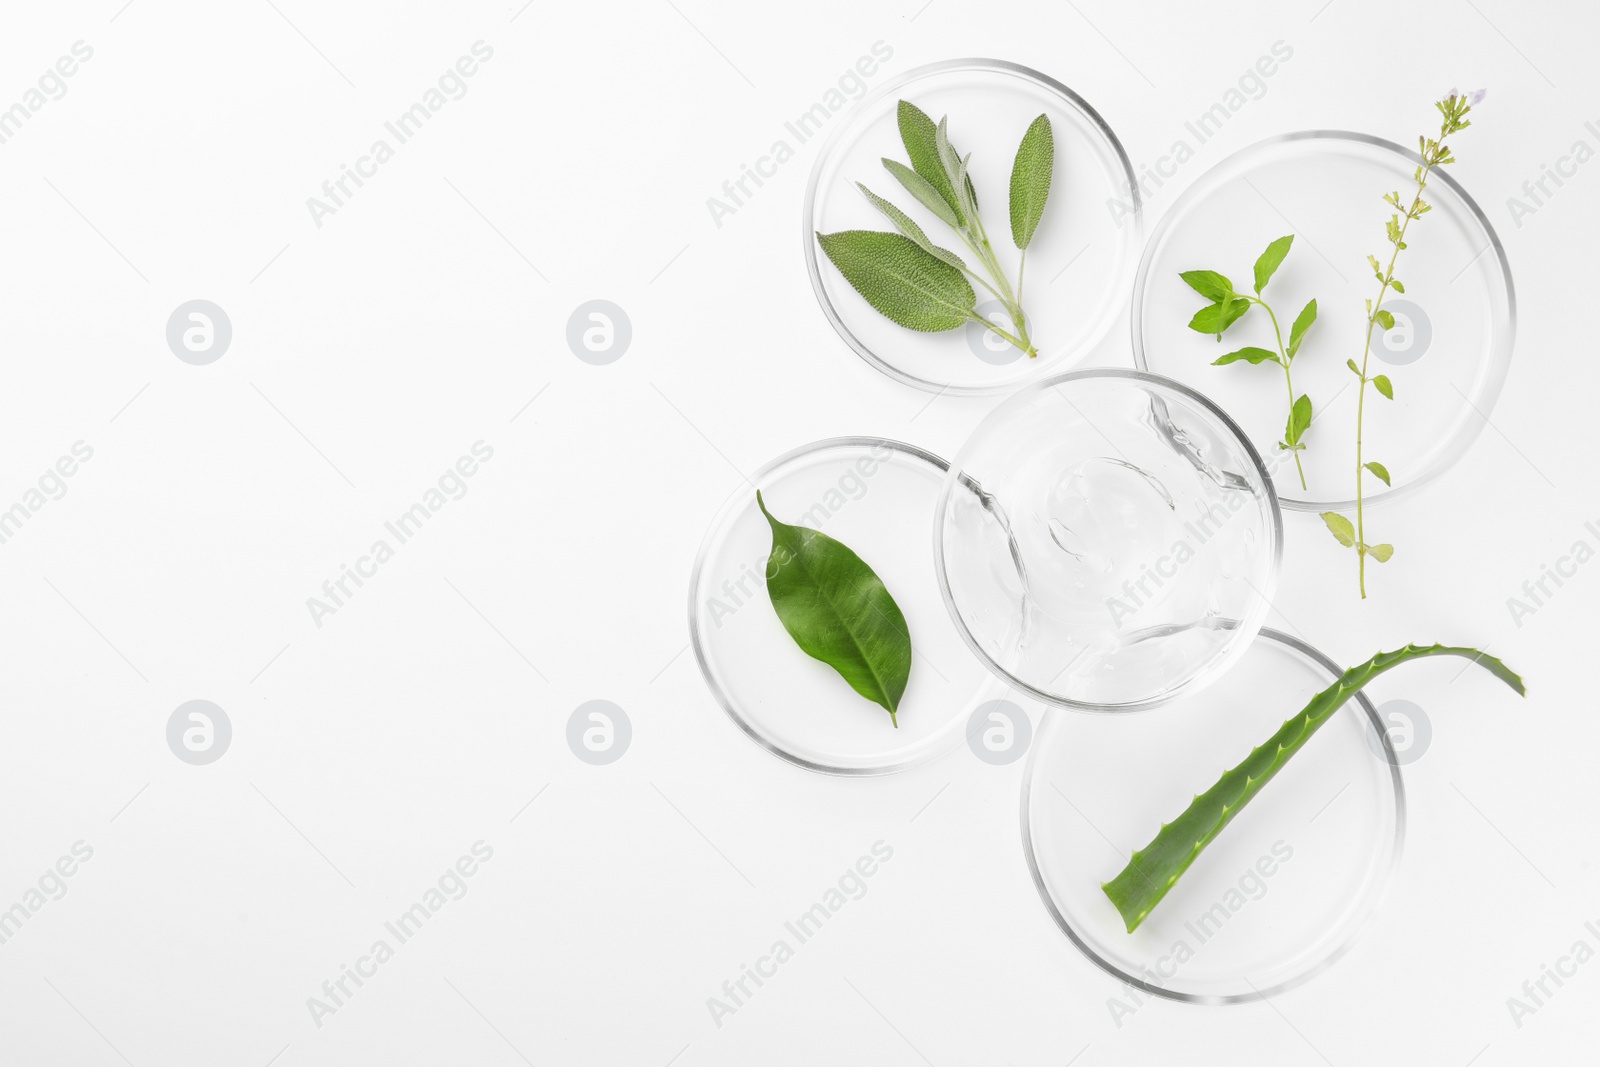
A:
838, 611
1153, 870
1453, 111
1228, 307
923, 286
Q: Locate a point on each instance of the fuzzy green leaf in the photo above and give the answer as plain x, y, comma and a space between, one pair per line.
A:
838, 611
1384, 386
1030, 180
1250, 354
1378, 469
1209, 284
1302, 323
906, 225
1270, 260
1153, 870
1215, 318
926, 194
918, 134
906, 284
1340, 527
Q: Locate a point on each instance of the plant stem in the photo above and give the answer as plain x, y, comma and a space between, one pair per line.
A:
1366, 355
1288, 380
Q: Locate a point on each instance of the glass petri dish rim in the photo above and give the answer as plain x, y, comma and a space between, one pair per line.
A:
808, 208
1499, 362
1396, 848
1263, 598
749, 729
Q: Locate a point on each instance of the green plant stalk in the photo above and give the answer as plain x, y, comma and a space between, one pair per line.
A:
978, 243
1288, 379
1156, 868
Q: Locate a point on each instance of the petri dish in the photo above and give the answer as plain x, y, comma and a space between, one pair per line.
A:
1281, 893
877, 496
1107, 540
1447, 354
1080, 262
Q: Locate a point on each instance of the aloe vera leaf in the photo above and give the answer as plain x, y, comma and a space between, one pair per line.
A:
1156, 868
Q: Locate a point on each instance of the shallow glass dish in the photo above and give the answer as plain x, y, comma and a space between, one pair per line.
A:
1281, 893
1447, 354
876, 496
1081, 260
1096, 534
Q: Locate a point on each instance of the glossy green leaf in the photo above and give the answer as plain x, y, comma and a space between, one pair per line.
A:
1384, 319
918, 134
1379, 470
1209, 284
1302, 323
1249, 354
926, 194
1384, 386
908, 226
906, 284
1340, 527
1270, 260
1030, 179
1152, 871
838, 611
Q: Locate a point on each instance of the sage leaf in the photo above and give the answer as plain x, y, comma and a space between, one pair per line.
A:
1378, 469
906, 225
918, 134
1340, 527
926, 194
1209, 284
1215, 318
903, 282
1249, 354
1152, 871
1030, 179
1270, 260
1384, 386
1302, 323
838, 611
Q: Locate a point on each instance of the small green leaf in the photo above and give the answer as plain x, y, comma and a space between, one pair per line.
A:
1381, 553
838, 611
1209, 284
1380, 470
1030, 179
1384, 386
1268, 264
926, 194
919, 135
906, 284
1383, 318
1397, 286
906, 225
1251, 354
1353, 368
1215, 318
1299, 420
1302, 323
1340, 527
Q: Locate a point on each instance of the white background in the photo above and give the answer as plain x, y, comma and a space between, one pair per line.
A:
370, 353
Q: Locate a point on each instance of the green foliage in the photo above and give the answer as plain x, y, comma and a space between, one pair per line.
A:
838, 611
905, 283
